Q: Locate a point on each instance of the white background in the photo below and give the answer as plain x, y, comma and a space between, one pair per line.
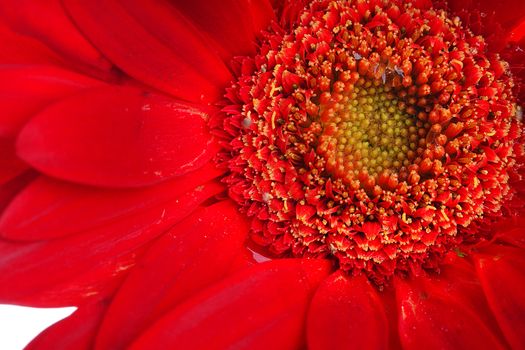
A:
18, 325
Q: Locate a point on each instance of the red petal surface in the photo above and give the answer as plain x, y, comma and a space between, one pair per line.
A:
231, 24
152, 43
10, 165
27, 89
118, 137
46, 21
74, 332
433, 317
459, 280
167, 24
501, 270
262, 14
10, 189
512, 232
49, 209
263, 307
517, 33
243, 260
347, 313
288, 11
195, 253
21, 49
88, 265
506, 13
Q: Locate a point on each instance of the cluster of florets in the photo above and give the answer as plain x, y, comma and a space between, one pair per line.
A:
374, 132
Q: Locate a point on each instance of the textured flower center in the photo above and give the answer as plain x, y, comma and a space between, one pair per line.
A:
374, 133
369, 131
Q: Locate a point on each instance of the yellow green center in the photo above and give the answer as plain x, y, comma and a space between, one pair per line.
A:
370, 131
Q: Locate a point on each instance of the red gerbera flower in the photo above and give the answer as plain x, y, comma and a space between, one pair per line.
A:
265, 174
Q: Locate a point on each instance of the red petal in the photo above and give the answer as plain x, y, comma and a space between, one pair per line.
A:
512, 231
506, 13
502, 273
19, 49
10, 189
27, 89
517, 33
262, 14
47, 22
10, 165
152, 43
243, 260
347, 313
74, 332
262, 307
192, 255
49, 209
88, 265
231, 24
118, 137
458, 278
434, 317
288, 10
167, 24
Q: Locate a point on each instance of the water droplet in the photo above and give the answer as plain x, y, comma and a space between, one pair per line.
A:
246, 123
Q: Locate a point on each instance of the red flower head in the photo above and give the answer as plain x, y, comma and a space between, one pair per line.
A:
265, 174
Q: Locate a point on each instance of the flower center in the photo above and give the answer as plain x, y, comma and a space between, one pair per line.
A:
376, 134
369, 132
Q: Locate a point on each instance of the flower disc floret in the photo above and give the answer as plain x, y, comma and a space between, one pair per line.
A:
376, 133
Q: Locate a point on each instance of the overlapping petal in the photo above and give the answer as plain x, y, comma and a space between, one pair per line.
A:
119, 137
27, 89
436, 316
347, 313
158, 46
74, 332
47, 22
20, 49
66, 271
10, 165
259, 308
193, 254
512, 232
502, 273
230, 37
48, 208
11, 188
